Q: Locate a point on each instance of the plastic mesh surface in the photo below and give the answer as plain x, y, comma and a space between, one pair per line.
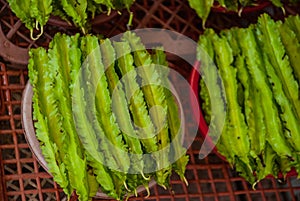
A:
211, 179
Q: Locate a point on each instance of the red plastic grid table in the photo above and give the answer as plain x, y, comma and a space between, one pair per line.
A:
21, 176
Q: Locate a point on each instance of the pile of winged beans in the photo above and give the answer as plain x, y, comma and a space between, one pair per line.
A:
73, 108
260, 71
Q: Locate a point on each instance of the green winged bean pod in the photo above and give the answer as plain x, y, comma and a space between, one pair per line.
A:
277, 3
274, 131
175, 126
271, 167
206, 55
105, 115
109, 134
65, 62
236, 130
253, 114
85, 115
121, 110
287, 114
137, 107
57, 10
91, 51
93, 151
294, 23
33, 13
285, 166
41, 10
292, 46
280, 61
202, 8
155, 97
209, 74
259, 67
135, 97
45, 111
110, 125
76, 9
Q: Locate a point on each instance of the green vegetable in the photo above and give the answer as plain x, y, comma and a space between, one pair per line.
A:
88, 127
254, 115
137, 106
270, 165
92, 147
58, 11
65, 62
93, 184
210, 76
41, 10
205, 45
34, 14
154, 96
272, 121
289, 118
122, 112
285, 166
103, 105
45, 111
92, 8
257, 67
76, 9
235, 128
23, 11
294, 23
279, 60
202, 8
292, 46
206, 54
120, 108
111, 139
205, 100
177, 151
88, 145
135, 98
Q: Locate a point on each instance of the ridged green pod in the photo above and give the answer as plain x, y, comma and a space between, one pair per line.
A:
66, 60
154, 96
275, 51
45, 112
254, 63
175, 126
